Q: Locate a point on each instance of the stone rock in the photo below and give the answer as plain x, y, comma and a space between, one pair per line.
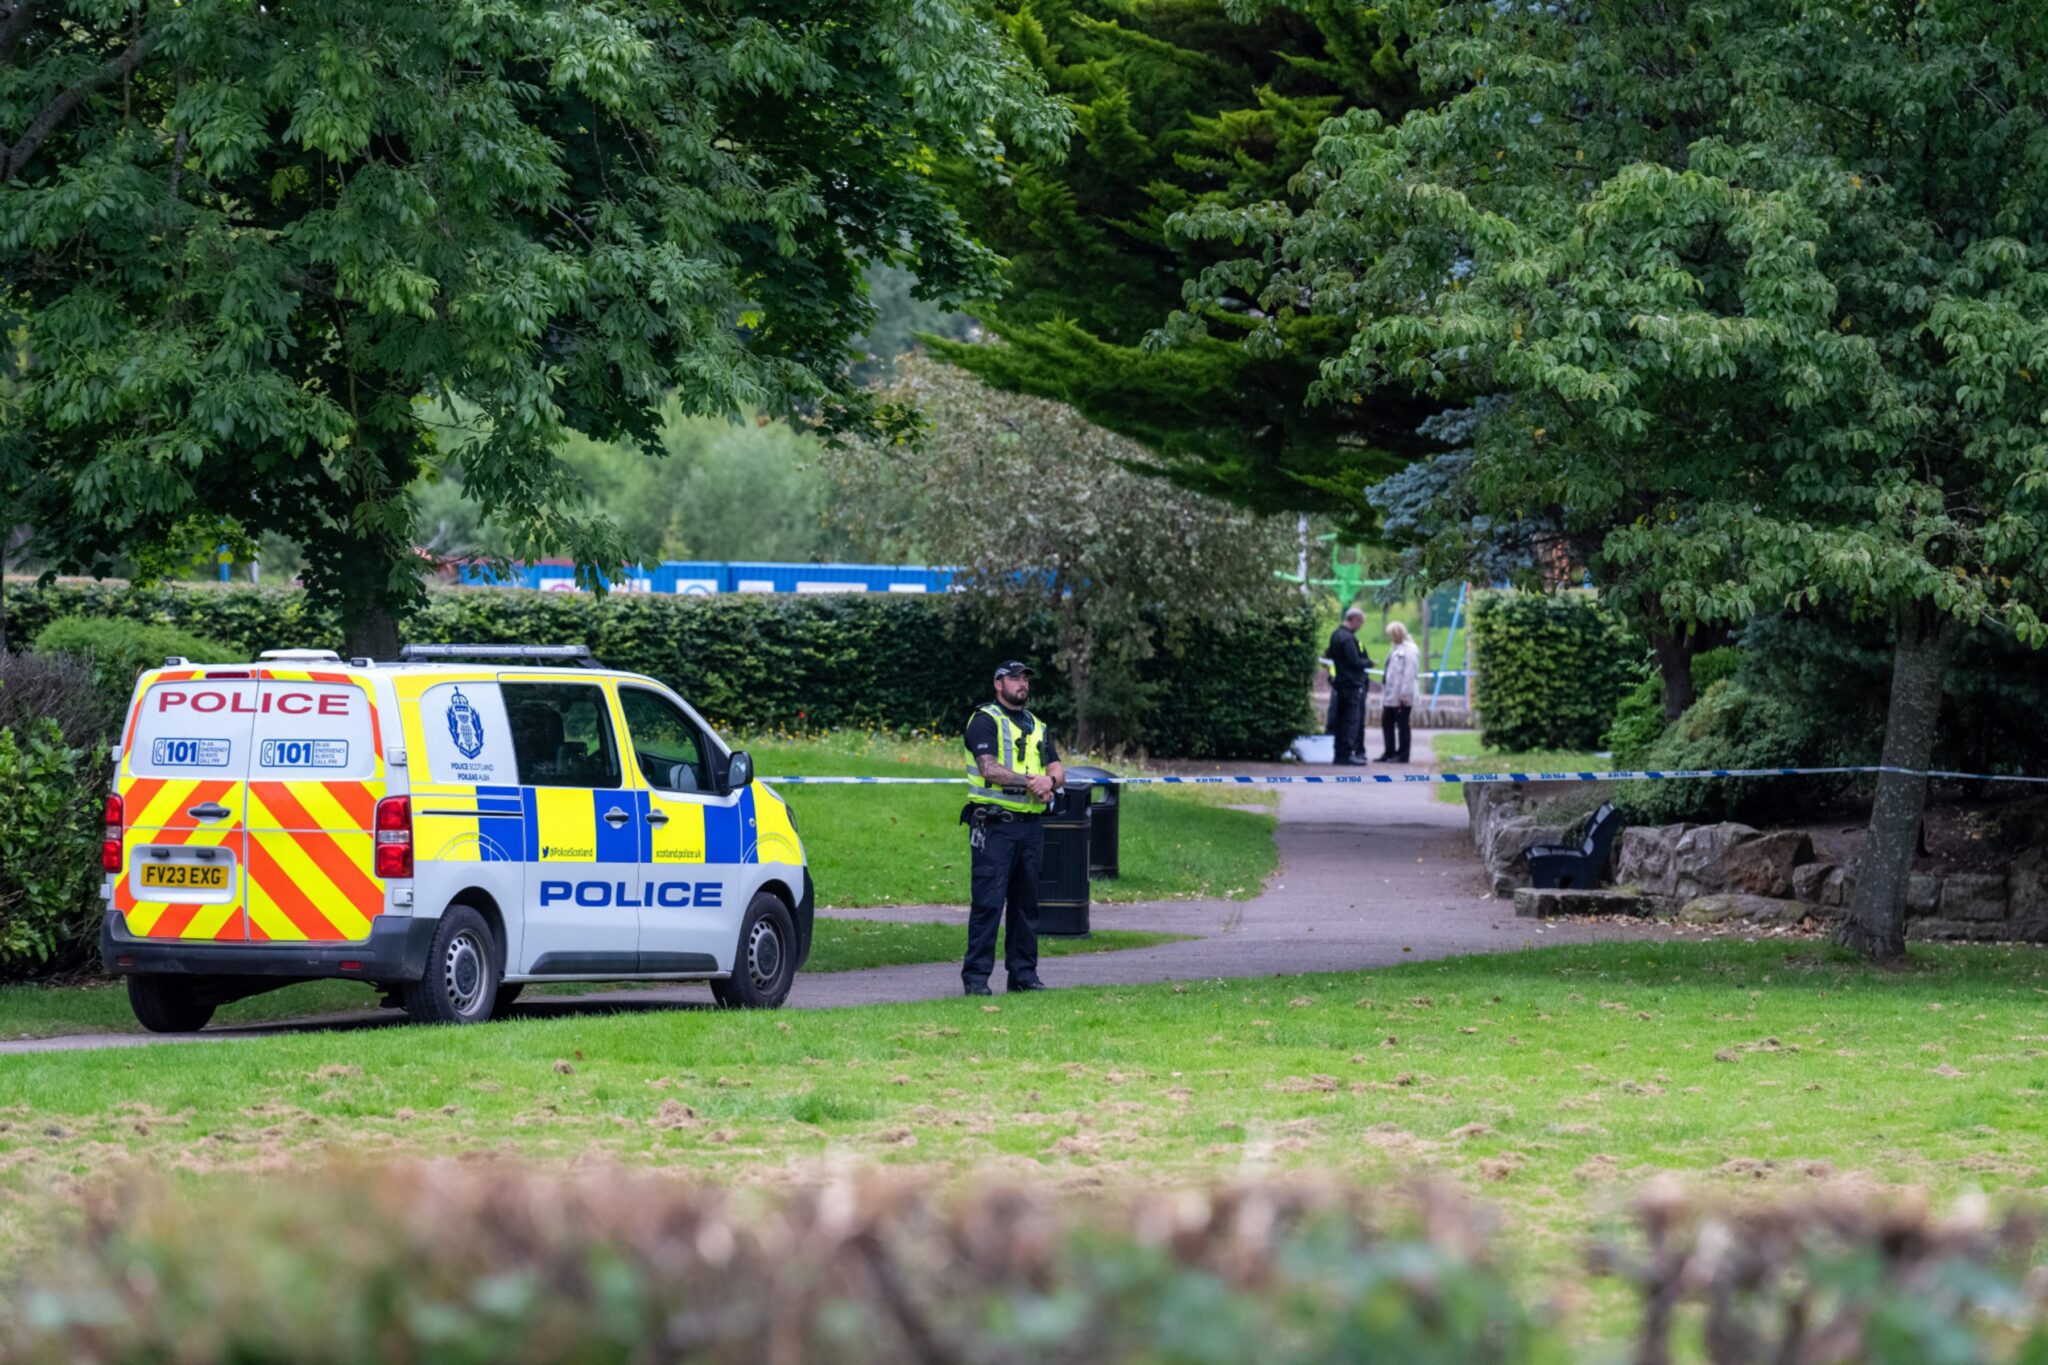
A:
2027, 893
1731, 907
1973, 896
1643, 856
1696, 861
1810, 882
1923, 895
1839, 890
1763, 866
1507, 842
1954, 930
1534, 903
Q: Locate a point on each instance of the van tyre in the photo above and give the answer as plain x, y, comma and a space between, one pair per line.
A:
764, 968
169, 1004
461, 981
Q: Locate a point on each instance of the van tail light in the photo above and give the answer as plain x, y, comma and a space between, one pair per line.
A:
110, 838
394, 837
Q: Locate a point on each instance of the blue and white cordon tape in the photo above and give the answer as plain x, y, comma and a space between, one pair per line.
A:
1402, 779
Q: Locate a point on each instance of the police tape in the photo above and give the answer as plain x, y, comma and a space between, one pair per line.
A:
1405, 779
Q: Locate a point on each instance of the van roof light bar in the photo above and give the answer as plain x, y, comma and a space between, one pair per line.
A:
525, 654
307, 656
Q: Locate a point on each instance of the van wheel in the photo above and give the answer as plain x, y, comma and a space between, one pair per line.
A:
508, 995
462, 972
765, 967
169, 1004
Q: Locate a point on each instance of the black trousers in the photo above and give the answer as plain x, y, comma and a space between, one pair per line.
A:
1394, 733
1349, 724
1006, 857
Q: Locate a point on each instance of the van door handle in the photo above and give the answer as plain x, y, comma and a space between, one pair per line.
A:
616, 817
208, 810
655, 817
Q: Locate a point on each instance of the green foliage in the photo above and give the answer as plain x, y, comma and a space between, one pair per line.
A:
715, 489
52, 794
116, 650
1553, 668
1730, 726
1042, 514
1639, 719
764, 662
1778, 347
1180, 104
250, 253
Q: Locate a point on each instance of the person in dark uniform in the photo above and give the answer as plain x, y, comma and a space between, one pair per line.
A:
1349, 663
1013, 768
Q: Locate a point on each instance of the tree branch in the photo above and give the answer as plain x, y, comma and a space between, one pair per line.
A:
17, 157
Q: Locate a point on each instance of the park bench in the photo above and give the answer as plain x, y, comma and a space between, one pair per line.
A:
1564, 866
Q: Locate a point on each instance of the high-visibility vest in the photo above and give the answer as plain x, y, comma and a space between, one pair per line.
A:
1021, 753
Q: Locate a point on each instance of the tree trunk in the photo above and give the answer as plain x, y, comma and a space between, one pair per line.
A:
1675, 653
1876, 926
372, 633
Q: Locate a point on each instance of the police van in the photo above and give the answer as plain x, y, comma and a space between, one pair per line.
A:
449, 827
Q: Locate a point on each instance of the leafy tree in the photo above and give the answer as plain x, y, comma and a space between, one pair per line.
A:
718, 490
1762, 287
255, 249
1040, 510
1180, 103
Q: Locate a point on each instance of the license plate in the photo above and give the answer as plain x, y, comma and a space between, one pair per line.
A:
186, 876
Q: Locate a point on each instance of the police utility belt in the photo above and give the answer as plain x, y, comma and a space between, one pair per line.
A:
982, 813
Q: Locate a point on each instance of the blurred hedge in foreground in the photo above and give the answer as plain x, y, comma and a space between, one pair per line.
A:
767, 662
485, 1263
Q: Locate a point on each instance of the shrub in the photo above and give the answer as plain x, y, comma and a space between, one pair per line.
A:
416, 1262
1553, 668
1728, 727
51, 794
57, 687
758, 663
1639, 719
116, 650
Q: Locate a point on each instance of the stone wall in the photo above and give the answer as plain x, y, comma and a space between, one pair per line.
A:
1734, 872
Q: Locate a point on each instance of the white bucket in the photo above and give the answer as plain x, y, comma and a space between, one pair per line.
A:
1316, 748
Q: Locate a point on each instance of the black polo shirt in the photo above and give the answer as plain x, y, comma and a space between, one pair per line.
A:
983, 738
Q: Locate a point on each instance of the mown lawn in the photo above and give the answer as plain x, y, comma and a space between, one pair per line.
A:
1462, 751
905, 846
1553, 1082
839, 945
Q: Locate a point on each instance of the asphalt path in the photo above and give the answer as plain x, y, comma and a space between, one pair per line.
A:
1369, 876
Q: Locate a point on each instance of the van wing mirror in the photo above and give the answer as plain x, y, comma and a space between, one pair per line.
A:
739, 771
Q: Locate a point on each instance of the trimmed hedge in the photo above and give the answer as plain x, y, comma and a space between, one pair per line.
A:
1553, 669
752, 663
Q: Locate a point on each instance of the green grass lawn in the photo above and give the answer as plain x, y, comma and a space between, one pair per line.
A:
838, 945
904, 845
1552, 1081
1463, 751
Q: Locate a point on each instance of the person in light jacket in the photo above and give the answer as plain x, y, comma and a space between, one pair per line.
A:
1398, 693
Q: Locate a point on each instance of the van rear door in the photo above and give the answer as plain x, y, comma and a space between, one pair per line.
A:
184, 798
316, 772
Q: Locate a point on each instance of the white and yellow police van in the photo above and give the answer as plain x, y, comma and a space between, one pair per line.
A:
449, 827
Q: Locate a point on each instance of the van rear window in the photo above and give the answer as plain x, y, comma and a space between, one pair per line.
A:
194, 729
312, 732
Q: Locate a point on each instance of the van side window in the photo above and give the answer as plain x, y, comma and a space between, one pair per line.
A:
561, 734
672, 755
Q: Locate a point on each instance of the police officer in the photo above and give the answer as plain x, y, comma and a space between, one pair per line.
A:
1013, 769
1348, 681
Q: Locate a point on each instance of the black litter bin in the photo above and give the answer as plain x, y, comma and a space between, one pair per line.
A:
1105, 799
1063, 878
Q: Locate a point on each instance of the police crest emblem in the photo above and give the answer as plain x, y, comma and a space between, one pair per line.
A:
465, 726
